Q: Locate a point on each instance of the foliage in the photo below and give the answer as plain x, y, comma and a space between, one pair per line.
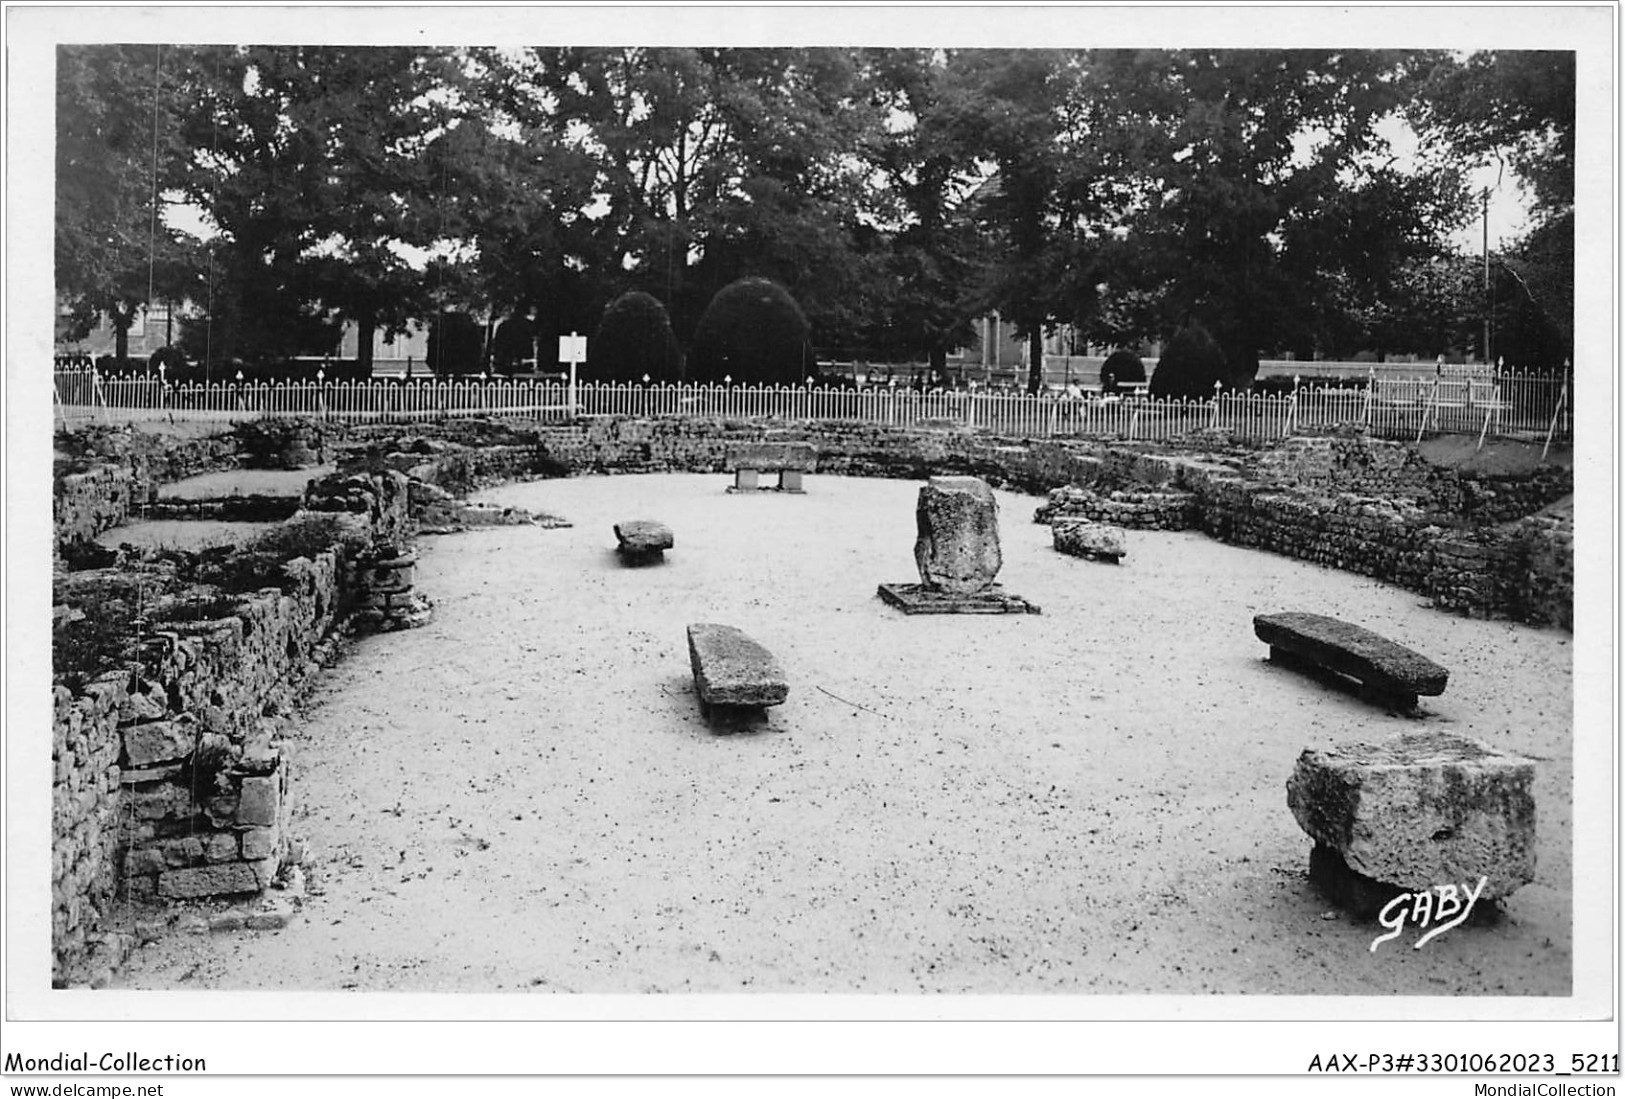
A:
895, 194
752, 332
1120, 366
456, 344
116, 138
634, 342
1517, 107
97, 642
1190, 364
309, 161
513, 344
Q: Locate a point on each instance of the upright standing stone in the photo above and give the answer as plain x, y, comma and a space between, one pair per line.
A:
957, 546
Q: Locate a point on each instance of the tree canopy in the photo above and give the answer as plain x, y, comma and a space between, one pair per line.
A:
893, 194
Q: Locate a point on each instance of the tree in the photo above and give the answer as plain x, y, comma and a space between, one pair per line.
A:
1010, 101
714, 164
116, 142
753, 331
1270, 186
1517, 107
1192, 365
310, 162
920, 301
634, 342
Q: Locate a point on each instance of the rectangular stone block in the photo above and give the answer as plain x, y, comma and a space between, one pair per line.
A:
155, 742
771, 456
260, 843
161, 801
209, 881
144, 860
730, 669
258, 801
1421, 810
182, 851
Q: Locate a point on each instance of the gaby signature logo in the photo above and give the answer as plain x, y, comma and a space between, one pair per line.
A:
1449, 911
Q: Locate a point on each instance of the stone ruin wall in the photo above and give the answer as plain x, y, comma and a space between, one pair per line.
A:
126, 749
1314, 501
125, 470
1365, 506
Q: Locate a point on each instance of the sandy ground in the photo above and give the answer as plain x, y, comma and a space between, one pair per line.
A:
182, 534
523, 795
244, 482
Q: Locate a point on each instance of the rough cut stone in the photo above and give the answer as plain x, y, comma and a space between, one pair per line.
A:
258, 802
157, 742
641, 539
1082, 538
259, 843
772, 456
730, 669
1421, 810
209, 881
957, 545
1352, 651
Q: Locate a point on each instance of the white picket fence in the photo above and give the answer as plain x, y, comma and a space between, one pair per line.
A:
1513, 406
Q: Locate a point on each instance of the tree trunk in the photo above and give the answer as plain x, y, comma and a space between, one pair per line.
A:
1035, 361
365, 328
122, 316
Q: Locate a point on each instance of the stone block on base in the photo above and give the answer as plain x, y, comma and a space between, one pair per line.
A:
1421, 810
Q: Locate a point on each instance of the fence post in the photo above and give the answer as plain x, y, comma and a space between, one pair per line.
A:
1562, 399
1432, 403
1217, 387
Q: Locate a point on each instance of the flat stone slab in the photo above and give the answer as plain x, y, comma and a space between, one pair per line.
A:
1083, 538
1421, 810
748, 461
919, 599
642, 539
1352, 651
730, 669
771, 457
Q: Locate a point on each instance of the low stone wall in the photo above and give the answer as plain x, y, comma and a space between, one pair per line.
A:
1171, 510
1366, 506
107, 474
85, 803
226, 509
170, 778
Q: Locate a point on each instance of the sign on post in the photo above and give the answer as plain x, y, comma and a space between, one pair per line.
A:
572, 350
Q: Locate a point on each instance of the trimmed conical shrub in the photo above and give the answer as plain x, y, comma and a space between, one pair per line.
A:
753, 331
634, 340
1191, 362
1120, 367
456, 344
513, 344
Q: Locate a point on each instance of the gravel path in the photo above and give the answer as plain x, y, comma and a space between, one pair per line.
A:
523, 796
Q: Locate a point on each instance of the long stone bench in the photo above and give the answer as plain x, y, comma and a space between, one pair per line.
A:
733, 671
1397, 675
747, 461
